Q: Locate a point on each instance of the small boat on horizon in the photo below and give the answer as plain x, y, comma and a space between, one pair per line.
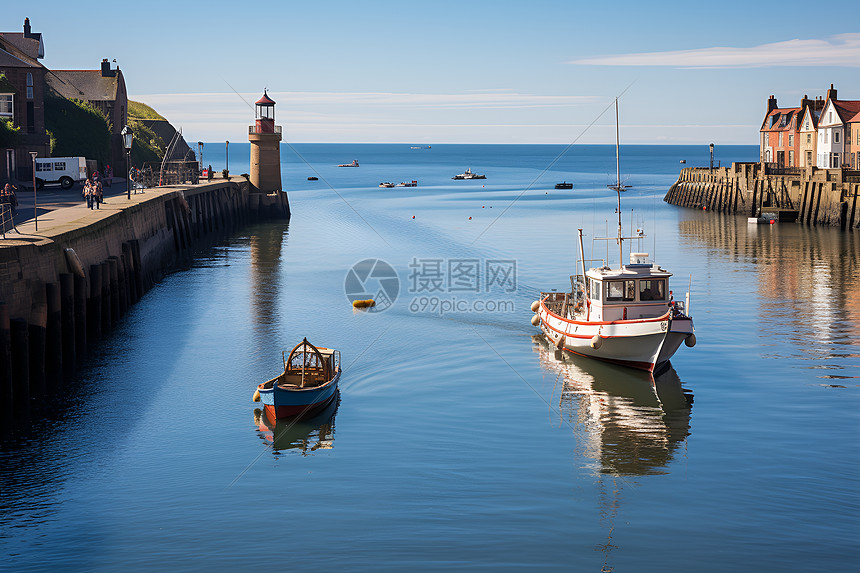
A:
564, 185
469, 175
421, 147
313, 178
386, 185
308, 383
353, 164
413, 183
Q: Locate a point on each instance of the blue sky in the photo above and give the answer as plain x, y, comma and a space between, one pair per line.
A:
463, 72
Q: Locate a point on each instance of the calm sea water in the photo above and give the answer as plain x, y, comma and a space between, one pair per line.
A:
460, 441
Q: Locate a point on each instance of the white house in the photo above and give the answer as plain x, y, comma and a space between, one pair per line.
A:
832, 131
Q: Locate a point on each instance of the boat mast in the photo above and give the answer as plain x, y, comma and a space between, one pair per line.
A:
618, 187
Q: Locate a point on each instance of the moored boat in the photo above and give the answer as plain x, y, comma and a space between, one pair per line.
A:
386, 185
564, 185
353, 164
469, 175
413, 183
312, 178
308, 383
625, 315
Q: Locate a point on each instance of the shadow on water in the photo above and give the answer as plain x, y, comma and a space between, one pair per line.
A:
304, 435
267, 242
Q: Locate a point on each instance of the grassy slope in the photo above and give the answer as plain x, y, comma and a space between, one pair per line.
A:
77, 129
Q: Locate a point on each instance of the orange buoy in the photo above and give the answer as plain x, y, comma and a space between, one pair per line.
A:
470, 218
413, 216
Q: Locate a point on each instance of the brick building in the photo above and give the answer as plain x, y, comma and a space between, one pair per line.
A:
22, 100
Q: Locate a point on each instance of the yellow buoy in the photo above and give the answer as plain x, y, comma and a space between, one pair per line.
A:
256, 395
363, 303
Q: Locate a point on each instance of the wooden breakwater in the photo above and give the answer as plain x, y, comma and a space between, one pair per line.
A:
65, 288
817, 196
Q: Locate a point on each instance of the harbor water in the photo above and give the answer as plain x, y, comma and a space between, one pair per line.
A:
460, 440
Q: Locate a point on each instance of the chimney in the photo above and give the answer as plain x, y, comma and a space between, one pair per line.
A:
831, 93
106, 71
27, 28
771, 104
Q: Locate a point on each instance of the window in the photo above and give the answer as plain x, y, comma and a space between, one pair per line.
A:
60, 166
791, 158
836, 137
40, 166
620, 290
652, 290
808, 158
790, 139
780, 139
825, 137
834, 160
6, 106
820, 136
808, 138
595, 289
29, 85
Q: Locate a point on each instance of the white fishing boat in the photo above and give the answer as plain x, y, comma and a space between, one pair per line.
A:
469, 175
625, 315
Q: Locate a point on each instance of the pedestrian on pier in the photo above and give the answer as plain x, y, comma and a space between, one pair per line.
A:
98, 195
108, 176
88, 192
8, 196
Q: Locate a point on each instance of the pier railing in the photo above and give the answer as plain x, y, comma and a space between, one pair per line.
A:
253, 129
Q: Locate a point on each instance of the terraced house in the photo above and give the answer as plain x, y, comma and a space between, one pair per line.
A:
834, 132
22, 101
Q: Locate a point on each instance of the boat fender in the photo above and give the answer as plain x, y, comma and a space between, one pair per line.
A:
596, 341
536, 320
256, 395
535, 306
690, 341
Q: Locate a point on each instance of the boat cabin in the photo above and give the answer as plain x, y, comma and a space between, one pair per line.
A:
637, 290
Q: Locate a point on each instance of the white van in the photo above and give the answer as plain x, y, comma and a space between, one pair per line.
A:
63, 170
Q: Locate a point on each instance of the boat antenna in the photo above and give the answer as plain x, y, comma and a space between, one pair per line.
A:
618, 188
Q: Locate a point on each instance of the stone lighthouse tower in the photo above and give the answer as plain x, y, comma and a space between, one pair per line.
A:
265, 138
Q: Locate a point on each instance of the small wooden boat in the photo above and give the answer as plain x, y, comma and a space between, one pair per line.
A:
564, 185
308, 383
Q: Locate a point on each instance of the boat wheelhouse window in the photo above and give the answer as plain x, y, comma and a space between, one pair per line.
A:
652, 290
594, 291
620, 290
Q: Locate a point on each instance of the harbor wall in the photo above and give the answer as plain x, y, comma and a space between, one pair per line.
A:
817, 196
63, 290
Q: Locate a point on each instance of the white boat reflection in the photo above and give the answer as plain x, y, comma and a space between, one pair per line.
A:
631, 422
305, 435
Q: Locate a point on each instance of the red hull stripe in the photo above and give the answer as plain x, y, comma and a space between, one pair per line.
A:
587, 323
290, 411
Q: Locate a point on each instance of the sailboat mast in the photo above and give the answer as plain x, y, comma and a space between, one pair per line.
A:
618, 188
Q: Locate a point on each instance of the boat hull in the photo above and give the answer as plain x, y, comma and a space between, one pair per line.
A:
280, 403
642, 343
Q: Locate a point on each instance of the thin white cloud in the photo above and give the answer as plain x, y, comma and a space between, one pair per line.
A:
841, 51
487, 99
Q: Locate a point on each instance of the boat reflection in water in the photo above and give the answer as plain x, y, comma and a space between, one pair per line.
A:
632, 422
627, 422
306, 435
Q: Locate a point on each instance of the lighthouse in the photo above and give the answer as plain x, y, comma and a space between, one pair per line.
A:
265, 138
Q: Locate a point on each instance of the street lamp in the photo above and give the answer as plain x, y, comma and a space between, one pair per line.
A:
33, 154
712, 156
227, 160
127, 137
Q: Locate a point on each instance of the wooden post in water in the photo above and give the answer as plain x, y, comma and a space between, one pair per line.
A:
20, 365
37, 327
81, 312
6, 396
94, 304
53, 336
67, 312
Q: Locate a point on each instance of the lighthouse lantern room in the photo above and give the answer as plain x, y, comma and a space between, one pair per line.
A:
265, 114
